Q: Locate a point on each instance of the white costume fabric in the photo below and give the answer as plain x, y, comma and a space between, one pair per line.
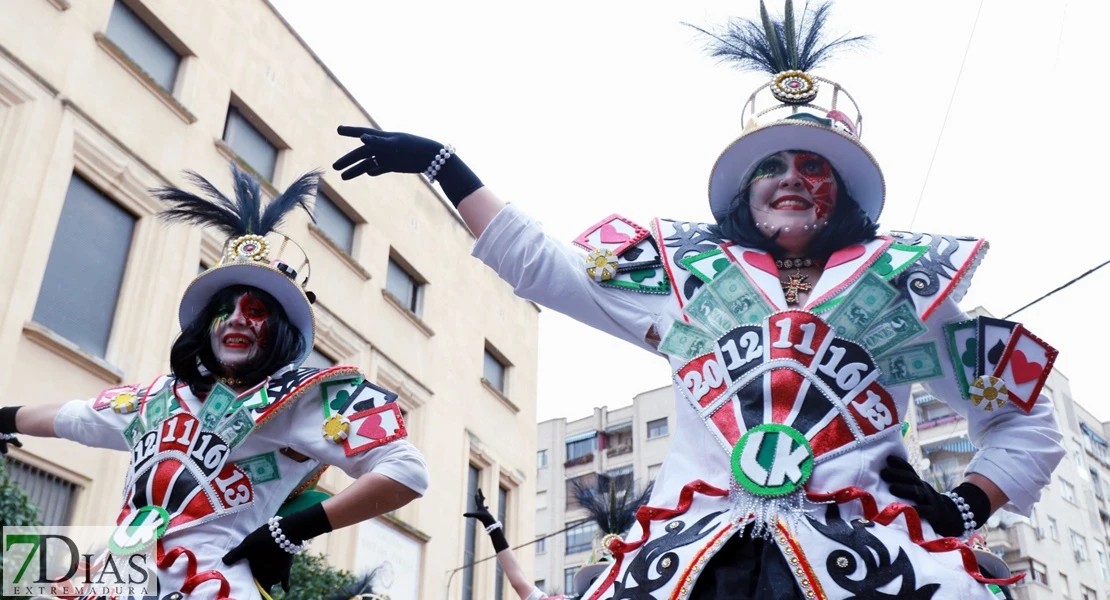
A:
696, 504
213, 504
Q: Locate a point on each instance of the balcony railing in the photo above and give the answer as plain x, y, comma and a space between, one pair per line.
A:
937, 422
585, 459
618, 450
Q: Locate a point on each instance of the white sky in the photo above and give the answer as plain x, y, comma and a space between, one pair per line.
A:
574, 110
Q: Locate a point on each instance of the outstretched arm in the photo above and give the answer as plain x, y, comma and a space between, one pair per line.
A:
29, 420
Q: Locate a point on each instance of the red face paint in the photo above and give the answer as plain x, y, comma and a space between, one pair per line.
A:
256, 314
816, 174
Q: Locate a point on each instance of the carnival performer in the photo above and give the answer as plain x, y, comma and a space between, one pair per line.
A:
794, 331
522, 585
236, 429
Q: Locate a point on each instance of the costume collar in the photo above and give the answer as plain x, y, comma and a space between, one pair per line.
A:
843, 268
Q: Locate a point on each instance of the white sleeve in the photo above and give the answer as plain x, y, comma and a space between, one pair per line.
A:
77, 420
398, 460
1018, 451
553, 274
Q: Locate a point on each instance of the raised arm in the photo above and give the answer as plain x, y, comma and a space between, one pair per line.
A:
522, 585
540, 268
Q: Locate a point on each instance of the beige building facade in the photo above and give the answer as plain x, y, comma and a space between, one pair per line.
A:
627, 442
101, 100
1063, 548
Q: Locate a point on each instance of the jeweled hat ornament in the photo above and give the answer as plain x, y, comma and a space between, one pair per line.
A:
255, 252
796, 109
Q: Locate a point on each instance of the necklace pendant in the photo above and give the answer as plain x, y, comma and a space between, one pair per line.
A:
793, 285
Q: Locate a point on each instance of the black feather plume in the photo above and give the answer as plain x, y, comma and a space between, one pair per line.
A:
774, 45
241, 216
612, 502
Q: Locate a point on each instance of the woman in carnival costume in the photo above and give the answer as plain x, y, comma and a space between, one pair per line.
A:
794, 331
237, 429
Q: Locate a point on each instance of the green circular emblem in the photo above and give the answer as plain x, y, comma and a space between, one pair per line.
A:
772, 460
139, 530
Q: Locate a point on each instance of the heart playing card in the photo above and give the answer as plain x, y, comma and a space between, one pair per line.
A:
1025, 365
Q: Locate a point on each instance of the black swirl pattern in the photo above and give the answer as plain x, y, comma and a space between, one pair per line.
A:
878, 569
923, 277
658, 555
690, 239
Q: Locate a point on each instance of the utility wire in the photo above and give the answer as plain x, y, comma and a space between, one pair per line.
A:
944, 124
1057, 289
482, 560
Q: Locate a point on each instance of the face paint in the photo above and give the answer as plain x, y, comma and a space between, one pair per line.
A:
238, 331
816, 174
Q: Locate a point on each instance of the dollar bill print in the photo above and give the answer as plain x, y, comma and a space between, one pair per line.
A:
910, 364
740, 297
157, 410
215, 406
862, 306
685, 341
709, 311
237, 428
134, 430
261, 468
893, 328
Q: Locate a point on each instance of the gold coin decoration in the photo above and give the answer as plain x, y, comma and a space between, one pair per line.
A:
601, 264
249, 247
988, 392
336, 428
125, 403
794, 87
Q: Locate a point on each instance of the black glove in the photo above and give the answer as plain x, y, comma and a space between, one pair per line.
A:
939, 510
269, 563
385, 152
497, 536
8, 428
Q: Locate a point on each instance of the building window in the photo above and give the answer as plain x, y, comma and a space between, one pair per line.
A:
318, 360
1079, 545
541, 547
580, 538
84, 273
541, 459
568, 582
653, 471
334, 222
143, 46
580, 448
502, 512
473, 476
539, 583
584, 482
1068, 491
620, 479
1053, 530
1038, 572
51, 495
541, 500
657, 428
1103, 562
1086, 593
405, 286
493, 369
250, 144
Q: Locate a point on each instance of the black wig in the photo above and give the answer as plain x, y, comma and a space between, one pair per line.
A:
193, 347
847, 225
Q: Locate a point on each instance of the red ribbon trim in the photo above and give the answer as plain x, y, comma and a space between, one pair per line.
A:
644, 516
192, 578
913, 525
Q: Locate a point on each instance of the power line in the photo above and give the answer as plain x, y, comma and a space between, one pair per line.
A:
1057, 289
944, 124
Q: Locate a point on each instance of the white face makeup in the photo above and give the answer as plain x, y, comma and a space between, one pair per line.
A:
238, 331
792, 194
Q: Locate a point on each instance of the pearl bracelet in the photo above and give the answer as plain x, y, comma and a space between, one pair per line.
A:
495, 525
437, 163
7, 437
279, 537
965, 512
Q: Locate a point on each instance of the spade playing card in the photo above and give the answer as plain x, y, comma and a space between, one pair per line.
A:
993, 335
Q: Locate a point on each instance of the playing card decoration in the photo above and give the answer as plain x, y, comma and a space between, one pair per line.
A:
613, 233
370, 413
1025, 365
781, 397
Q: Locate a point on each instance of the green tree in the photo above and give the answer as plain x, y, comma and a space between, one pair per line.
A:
16, 509
312, 579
